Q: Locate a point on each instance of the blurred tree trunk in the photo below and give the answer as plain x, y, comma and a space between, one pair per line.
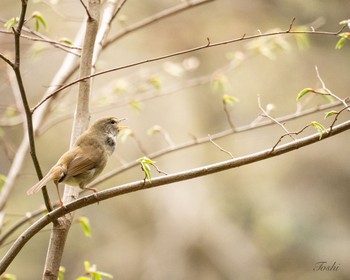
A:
61, 228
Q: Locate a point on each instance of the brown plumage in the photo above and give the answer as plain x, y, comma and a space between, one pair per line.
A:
86, 159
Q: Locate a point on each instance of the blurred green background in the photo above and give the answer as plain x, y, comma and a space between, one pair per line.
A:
273, 219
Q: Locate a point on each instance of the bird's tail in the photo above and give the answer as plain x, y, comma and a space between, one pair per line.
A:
38, 186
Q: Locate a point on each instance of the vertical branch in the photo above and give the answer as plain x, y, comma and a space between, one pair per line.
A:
60, 230
29, 121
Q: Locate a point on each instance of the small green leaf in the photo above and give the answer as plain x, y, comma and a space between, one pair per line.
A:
11, 111
66, 41
330, 113
61, 272
39, 20
2, 181
91, 270
145, 166
220, 83
136, 105
8, 276
304, 92
343, 38
320, 128
11, 23
340, 43
104, 274
302, 39
155, 82
154, 129
85, 224
87, 266
229, 99
124, 134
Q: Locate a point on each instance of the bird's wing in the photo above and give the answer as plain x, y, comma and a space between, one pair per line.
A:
82, 162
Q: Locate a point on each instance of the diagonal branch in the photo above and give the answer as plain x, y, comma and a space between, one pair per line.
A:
194, 49
160, 181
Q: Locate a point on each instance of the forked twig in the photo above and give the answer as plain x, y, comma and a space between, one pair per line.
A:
266, 114
219, 147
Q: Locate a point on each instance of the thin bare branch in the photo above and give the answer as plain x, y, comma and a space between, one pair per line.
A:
8, 61
219, 147
86, 9
27, 218
16, 66
290, 135
120, 6
336, 117
195, 49
228, 117
41, 38
185, 5
266, 114
327, 90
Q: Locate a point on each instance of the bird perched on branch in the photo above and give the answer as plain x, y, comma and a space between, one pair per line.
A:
86, 159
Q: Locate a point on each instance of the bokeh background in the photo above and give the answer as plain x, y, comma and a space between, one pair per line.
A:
273, 219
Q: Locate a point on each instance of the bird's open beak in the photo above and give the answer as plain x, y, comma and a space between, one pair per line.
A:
121, 127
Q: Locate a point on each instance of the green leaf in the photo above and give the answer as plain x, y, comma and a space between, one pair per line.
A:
87, 266
220, 83
343, 38
229, 99
11, 23
66, 41
154, 129
61, 272
101, 274
330, 113
136, 105
39, 20
304, 92
124, 134
302, 39
95, 275
85, 224
340, 43
146, 166
8, 276
11, 111
155, 82
2, 181
320, 128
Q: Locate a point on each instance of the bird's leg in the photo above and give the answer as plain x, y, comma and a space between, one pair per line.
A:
59, 195
95, 191
91, 189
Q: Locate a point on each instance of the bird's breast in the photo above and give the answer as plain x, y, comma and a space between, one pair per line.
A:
111, 141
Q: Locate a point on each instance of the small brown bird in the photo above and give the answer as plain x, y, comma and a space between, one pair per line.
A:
86, 159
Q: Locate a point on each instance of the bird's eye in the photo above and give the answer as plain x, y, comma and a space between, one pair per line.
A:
113, 122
